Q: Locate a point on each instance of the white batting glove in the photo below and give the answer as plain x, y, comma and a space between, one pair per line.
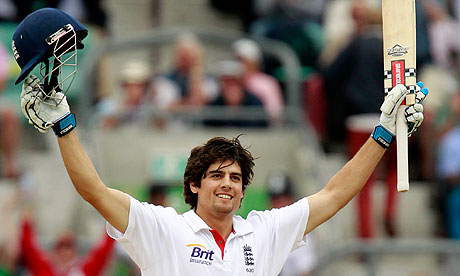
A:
384, 133
46, 112
414, 114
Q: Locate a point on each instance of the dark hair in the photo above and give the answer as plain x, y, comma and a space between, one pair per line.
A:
217, 149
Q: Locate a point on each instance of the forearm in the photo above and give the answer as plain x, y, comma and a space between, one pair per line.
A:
112, 204
344, 185
80, 168
354, 175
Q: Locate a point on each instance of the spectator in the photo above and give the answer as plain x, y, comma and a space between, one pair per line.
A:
158, 192
10, 131
354, 81
443, 34
442, 73
448, 173
264, 86
302, 260
63, 259
234, 94
139, 90
194, 87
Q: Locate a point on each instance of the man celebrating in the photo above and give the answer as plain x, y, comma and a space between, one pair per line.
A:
209, 239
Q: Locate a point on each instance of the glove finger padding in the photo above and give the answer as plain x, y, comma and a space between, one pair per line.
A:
31, 101
30, 83
414, 114
384, 133
27, 93
390, 106
414, 117
393, 100
31, 109
420, 93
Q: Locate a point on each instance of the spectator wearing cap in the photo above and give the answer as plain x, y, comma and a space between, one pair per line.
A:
233, 93
139, 89
302, 260
264, 86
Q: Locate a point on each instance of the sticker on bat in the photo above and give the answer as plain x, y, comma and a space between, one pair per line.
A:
398, 50
398, 72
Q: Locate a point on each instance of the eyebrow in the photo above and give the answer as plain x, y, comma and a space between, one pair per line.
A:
219, 171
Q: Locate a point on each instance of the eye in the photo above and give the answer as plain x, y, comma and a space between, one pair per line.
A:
217, 176
236, 178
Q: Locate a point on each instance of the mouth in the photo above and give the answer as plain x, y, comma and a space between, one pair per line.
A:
224, 196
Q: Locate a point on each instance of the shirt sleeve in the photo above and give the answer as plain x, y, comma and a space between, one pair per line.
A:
147, 228
286, 227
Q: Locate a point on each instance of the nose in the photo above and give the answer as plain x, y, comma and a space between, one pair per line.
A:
227, 183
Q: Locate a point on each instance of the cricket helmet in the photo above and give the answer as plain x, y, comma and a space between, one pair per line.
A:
49, 36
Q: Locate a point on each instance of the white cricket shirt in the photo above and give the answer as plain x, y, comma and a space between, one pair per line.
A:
163, 242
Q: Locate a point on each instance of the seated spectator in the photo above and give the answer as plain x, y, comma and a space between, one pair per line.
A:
234, 94
63, 259
139, 90
264, 86
195, 88
158, 192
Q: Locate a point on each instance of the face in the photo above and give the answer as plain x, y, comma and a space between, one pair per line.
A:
134, 93
232, 91
221, 190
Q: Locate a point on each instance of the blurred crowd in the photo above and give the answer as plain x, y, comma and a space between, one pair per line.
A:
339, 47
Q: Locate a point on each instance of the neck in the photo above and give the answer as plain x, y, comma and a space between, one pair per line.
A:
221, 223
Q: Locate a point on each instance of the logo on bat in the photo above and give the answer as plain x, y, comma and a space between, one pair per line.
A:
398, 50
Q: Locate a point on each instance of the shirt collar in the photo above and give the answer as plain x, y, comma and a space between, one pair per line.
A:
240, 225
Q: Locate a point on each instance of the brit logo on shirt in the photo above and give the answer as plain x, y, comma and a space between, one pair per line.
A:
248, 258
201, 255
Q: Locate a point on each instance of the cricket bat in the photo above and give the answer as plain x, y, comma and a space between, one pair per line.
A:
399, 56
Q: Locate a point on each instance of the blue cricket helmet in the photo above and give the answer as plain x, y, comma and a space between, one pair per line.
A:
30, 45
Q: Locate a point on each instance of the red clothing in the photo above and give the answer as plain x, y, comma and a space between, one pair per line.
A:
355, 139
39, 263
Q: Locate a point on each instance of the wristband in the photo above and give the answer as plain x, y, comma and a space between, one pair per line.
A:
382, 136
65, 125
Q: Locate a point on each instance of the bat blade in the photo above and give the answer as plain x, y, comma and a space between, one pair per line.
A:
399, 55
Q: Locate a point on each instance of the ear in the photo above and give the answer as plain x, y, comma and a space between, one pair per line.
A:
194, 188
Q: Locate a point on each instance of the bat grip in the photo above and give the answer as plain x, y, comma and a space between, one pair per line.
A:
402, 150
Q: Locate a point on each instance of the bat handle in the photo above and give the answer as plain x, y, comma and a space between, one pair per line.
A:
402, 150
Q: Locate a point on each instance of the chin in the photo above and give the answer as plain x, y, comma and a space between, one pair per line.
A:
225, 209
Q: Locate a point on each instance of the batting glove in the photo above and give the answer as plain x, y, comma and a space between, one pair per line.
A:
384, 133
45, 112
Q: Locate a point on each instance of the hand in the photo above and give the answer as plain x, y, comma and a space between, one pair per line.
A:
414, 114
44, 112
384, 133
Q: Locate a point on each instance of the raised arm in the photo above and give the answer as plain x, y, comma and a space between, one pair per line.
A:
112, 204
351, 178
53, 112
